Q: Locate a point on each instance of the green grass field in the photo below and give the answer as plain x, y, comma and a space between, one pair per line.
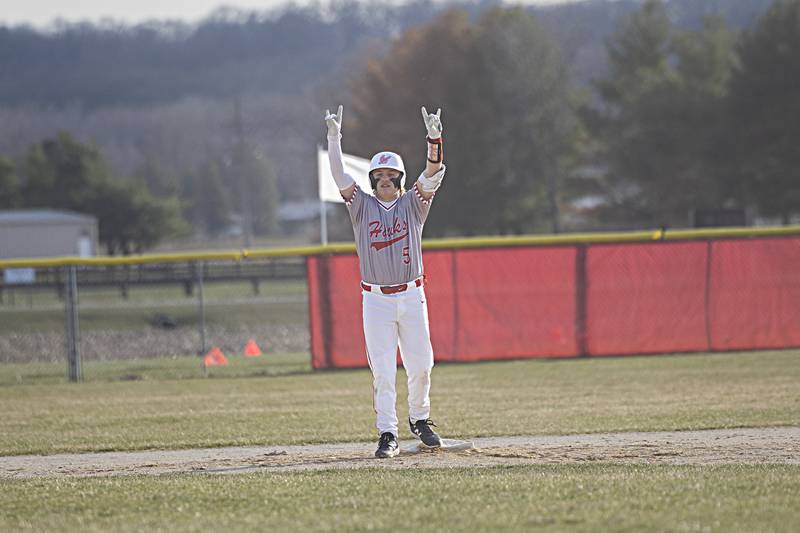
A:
547, 498
227, 304
288, 404
33, 298
155, 369
469, 400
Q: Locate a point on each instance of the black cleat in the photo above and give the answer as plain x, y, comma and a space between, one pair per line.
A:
422, 429
387, 446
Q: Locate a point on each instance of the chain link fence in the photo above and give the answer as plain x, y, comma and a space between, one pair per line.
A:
181, 319
247, 313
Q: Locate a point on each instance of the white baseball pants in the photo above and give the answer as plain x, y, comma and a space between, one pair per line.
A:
390, 319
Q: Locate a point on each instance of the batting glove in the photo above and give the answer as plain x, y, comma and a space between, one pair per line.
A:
334, 122
433, 123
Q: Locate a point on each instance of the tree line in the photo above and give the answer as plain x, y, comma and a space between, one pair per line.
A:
229, 52
277, 50
684, 120
679, 119
698, 119
136, 213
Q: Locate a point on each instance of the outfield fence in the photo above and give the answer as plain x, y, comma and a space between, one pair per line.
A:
210, 314
583, 296
122, 318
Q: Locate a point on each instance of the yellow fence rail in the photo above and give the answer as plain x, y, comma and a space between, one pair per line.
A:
428, 244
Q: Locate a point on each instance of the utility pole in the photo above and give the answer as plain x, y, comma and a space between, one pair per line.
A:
552, 200
241, 175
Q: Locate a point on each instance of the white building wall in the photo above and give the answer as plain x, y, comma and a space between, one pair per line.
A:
50, 239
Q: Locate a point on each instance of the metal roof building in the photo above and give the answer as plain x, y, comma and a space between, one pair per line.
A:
28, 233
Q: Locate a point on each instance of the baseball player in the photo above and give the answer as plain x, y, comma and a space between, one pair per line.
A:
388, 234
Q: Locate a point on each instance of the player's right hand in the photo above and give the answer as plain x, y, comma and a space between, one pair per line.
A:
334, 122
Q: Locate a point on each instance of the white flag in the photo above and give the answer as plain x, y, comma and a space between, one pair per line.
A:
358, 167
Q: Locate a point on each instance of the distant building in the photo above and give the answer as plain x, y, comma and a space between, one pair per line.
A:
33, 233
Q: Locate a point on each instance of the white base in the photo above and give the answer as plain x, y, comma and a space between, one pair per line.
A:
448, 445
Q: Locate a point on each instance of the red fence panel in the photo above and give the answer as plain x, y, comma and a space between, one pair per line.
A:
441, 292
513, 303
346, 343
316, 313
755, 295
646, 298
595, 300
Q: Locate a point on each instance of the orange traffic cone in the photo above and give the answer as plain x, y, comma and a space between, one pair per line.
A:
215, 357
251, 349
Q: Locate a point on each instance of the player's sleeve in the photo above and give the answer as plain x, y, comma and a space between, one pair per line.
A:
342, 179
356, 203
419, 205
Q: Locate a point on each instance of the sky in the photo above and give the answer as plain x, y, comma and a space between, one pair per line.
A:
40, 13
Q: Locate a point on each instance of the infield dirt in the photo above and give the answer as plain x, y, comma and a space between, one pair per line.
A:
776, 445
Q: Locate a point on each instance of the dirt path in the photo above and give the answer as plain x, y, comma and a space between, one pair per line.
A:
722, 446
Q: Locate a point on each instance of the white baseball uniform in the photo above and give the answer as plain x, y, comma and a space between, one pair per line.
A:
389, 243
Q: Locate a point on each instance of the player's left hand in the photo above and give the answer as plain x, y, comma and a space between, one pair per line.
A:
433, 123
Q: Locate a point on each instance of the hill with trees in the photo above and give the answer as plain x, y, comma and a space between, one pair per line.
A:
182, 110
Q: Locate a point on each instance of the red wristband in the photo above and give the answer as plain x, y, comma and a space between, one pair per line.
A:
435, 153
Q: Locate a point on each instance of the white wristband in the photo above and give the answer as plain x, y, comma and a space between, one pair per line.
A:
434, 182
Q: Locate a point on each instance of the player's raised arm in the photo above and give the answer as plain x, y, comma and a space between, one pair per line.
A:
345, 182
431, 178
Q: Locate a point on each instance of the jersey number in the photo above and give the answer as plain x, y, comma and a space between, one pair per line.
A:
406, 257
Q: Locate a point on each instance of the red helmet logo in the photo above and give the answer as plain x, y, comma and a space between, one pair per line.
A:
384, 158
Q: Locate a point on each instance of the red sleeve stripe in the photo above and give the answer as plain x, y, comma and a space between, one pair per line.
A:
419, 195
349, 201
